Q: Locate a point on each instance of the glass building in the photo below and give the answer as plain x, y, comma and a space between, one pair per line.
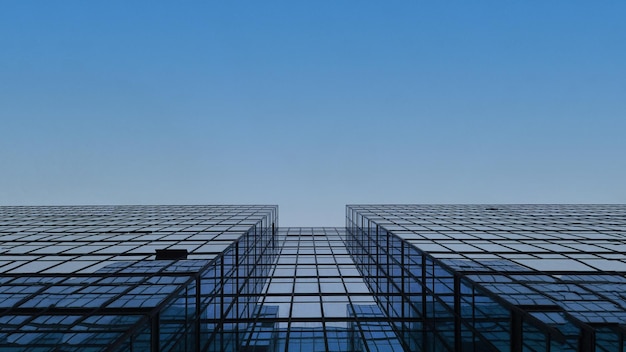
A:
396, 278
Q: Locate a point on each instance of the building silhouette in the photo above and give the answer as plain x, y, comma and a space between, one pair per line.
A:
396, 278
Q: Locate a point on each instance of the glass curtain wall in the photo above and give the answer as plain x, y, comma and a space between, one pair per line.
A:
496, 278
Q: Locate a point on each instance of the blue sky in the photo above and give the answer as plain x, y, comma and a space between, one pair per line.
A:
312, 104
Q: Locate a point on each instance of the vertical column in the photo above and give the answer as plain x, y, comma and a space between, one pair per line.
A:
587, 340
516, 331
154, 333
198, 313
458, 338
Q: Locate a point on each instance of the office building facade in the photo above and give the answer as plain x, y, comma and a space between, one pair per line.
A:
496, 278
131, 278
397, 277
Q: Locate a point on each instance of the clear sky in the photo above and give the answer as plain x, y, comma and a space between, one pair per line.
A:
312, 104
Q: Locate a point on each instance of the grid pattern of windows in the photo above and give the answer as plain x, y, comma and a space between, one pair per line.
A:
90, 278
397, 277
321, 302
497, 277
66, 239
